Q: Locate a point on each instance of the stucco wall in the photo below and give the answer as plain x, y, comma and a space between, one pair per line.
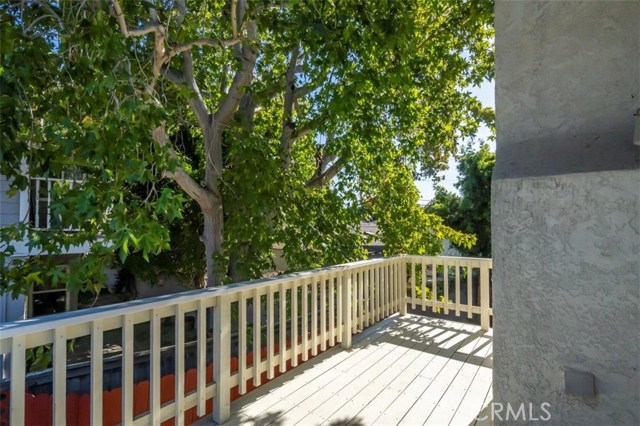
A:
566, 293
566, 208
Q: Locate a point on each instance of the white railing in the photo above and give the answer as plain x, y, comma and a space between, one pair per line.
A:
301, 314
470, 278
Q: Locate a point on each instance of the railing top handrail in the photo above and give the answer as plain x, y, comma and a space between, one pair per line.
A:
65, 319
460, 258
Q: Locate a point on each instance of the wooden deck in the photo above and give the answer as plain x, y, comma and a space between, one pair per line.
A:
409, 370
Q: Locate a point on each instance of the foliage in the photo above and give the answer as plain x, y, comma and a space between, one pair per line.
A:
297, 115
469, 212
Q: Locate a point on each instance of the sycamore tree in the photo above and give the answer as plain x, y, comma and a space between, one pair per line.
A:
280, 121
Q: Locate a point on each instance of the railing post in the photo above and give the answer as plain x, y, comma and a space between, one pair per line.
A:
484, 296
402, 264
346, 309
222, 359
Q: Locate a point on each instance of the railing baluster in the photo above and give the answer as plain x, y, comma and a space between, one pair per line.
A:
367, 298
305, 321
179, 365
457, 263
423, 287
340, 301
314, 317
257, 331
413, 285
96, 371
242, 343
271, 341
373, 300
323, 312
346, 283
403, 262
469, 292
446, 287
60, 376
294, 323
361, 299
201, 369
221, 359
378, 279
354, 302
332, 310
484, 296
283, 328
434, 286
127, 369
18, 368
155, 367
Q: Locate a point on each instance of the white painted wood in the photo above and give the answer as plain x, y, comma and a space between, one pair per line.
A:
96, 371
305, 321
283, 328
445, 263
340, 305
457, 265
18, 370
434, 286
403, 284
361, 300
354, 302
201, 367
484, 296
59, 376
469, 292
221, 359
347, 300
294, 323
257, 331
271, 340
314, 317
332, 309
367, 299
378, 295
323, 313
154, 382
423, 285
413, 284
179, 365
127, 369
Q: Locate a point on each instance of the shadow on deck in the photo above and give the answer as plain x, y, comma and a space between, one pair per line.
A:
409, 370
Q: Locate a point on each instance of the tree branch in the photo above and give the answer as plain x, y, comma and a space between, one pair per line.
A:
201, 195
136, 32
176, 48
321, 179
242, 78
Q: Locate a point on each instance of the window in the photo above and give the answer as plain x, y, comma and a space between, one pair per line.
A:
40, 191
47, 299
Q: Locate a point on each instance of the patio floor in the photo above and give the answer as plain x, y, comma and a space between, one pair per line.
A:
409, 370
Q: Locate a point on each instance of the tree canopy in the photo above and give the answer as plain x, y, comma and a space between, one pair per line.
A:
469, 212
271, 122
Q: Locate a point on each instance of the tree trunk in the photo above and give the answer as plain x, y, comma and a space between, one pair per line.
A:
212, 239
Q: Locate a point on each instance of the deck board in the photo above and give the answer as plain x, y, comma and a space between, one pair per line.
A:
404, 370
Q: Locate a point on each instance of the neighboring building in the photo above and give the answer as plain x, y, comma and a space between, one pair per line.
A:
32, 206
566, 211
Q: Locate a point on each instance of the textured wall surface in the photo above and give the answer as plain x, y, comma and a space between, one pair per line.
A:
567, 86
566, 208
566, 293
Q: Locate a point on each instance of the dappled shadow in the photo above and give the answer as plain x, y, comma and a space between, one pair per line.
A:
355, 421
428, 334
